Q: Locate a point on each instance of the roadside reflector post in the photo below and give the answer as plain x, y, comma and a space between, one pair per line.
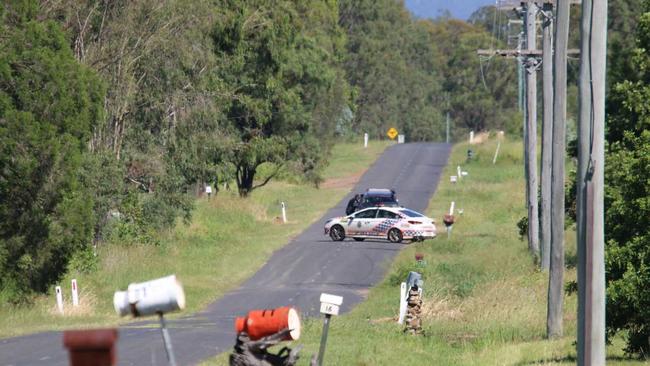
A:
91, 347
402, 303
459, 172
451, 208
496, 153
75, 293
329, 305
365, 140
284, 213
471, 137
59, 299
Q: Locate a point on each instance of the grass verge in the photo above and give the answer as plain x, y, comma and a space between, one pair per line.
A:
228, 239
485, 299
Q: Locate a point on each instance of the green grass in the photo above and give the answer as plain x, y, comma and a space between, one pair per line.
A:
228, 239
485, 299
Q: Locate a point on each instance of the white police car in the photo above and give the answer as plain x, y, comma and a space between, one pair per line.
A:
392, 223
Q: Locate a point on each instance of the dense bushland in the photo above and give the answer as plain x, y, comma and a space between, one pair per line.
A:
114, 114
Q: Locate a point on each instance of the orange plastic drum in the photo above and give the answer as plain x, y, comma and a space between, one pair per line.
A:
261, 323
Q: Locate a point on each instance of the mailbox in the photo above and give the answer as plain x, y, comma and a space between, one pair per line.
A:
329, 304
448, 220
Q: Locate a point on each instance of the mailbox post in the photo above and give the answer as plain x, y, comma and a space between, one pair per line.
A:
329, 305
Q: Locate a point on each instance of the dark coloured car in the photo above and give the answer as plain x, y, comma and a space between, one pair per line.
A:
373, 197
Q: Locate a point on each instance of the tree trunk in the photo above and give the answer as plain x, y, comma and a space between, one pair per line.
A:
245, 177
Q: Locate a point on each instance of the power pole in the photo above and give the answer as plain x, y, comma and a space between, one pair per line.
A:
547, 126
590, 182
530, 142
556, 275
520, 76
530, 58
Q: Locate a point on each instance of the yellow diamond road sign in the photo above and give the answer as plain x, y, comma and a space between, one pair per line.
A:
392, 133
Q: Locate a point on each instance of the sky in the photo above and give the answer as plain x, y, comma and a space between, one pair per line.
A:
461, 9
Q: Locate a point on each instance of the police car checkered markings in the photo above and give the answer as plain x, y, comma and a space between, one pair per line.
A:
379, 222
384, 226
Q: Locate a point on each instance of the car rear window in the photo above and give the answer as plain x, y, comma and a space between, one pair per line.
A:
379, 199
411, 213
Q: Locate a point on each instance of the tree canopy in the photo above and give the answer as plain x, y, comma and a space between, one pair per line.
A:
114, 114
49, 104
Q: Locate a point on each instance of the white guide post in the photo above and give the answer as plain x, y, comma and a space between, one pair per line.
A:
365, 140
402, 303
471, 137
59, 299
75, 293
496, 153
284, 213
451, 207
459, 172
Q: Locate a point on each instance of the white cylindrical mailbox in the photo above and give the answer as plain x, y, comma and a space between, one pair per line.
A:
162, 295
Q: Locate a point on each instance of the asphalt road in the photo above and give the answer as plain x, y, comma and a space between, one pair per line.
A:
295, 275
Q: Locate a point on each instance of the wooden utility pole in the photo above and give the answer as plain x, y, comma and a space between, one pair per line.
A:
531, 129
590, 182
547, 127
584, 130
530, 59
556, 275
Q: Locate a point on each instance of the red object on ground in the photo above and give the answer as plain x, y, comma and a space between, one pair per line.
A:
448, 220
91, 347
419, 256
261, 323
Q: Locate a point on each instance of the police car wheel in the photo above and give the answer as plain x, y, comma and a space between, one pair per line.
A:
337, 233
395, 236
